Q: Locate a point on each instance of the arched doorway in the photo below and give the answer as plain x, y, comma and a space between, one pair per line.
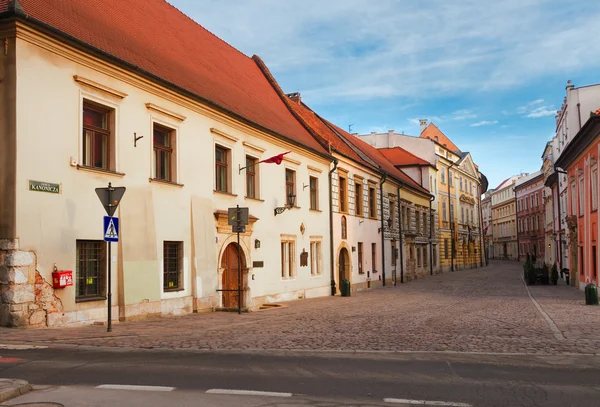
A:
343, 266
230, 277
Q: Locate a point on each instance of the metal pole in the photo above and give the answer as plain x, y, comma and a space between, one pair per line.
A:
239, 261
109, 293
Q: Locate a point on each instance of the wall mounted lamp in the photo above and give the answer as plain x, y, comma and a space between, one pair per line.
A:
291, 199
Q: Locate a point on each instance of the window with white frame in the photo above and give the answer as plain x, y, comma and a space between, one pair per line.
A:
316, 258
164, 156
594, 188
573, 199
98, 136
444, 214
288, 257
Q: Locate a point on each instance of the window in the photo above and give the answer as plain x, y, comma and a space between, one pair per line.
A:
471, 188
462, 214
343, 195
97, 143
594, 188
404, 218
344, 228
446, 248
358, 193
290, 183
316, 258
221, 169
450, 178
451, 212
461, 183
372, 203
374, 256
418, 221
164, 141
360, 258
393, 254
251, 177
581, 200
573, 199
172, 266
393, 213
91, 268
444, 214
443, 172
425, 259
425, 223
288, 263
314, 193
418, 256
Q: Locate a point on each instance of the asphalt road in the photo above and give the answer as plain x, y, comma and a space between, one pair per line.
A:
476, 380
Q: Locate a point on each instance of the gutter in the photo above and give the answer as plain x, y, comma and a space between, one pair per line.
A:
400, 241
331, 249
382, 229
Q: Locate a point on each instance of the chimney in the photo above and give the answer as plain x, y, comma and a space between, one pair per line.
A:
570, 85
295, 97
423, 123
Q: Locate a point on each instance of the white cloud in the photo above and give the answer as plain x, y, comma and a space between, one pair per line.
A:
463, 114
484, 123
391, 51
542, 111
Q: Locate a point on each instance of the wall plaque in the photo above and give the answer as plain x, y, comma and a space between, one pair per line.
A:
258, 264
44, 187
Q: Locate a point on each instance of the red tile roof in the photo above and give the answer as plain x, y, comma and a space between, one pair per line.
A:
400, 157
376, 156
433, 133
153, 37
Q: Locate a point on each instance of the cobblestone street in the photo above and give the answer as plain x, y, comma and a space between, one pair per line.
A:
481, 310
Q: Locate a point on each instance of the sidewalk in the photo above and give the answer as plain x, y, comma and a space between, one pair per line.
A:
484, 310
10, 388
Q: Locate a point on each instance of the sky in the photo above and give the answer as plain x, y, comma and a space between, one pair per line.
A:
490, 75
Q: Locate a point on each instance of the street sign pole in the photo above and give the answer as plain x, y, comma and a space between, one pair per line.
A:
239, 262
109, 293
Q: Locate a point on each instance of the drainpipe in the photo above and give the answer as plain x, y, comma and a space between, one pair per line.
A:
431, 198
559, 257
482, 254
517, 228
331, 257
382, 229
400, 240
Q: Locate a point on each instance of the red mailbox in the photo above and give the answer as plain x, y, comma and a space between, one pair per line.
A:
62, 278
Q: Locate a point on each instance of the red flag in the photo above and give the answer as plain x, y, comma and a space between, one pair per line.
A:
277, 159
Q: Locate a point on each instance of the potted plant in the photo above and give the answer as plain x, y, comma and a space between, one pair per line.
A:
531, 274
554, 274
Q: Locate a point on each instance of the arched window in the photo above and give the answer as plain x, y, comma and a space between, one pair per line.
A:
344, 228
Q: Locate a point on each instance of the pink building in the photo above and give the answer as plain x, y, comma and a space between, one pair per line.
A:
530, 217
580, 161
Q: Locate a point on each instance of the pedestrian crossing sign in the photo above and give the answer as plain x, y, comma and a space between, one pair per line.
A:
111, 229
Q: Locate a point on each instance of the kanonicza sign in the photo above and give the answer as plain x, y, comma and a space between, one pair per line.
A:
44, 187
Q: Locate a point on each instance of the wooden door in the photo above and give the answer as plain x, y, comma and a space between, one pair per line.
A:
230, 277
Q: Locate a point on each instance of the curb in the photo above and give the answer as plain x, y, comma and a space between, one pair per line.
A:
11, 388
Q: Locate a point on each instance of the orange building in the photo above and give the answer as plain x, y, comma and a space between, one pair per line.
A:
580, 161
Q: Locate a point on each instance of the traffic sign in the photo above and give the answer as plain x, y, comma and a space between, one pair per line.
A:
110, 198
237, 216
111, 229
238, 229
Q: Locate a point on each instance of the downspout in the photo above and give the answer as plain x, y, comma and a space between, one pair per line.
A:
331, 256
431, 198
482, 254
382, 229
517, 228
400, 241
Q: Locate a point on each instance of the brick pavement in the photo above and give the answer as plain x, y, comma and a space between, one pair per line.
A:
480, 310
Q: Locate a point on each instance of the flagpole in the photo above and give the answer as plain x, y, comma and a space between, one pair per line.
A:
278, 158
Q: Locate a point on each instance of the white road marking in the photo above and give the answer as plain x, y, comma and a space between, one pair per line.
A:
426, 403
132, 387
248, 393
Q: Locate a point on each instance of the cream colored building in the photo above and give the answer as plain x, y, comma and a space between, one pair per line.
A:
166, 120
504, 218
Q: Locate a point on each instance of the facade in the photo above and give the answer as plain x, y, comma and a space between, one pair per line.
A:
504, 220
549, 193
486, 218
531, 234
580, 160
457, 185
578, 104
184, 131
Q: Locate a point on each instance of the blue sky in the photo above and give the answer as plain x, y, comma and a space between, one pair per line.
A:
490, 75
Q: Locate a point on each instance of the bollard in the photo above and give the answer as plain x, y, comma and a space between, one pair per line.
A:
591, 294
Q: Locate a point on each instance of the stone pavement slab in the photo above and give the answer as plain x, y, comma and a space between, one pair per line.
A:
485, 310
10, 388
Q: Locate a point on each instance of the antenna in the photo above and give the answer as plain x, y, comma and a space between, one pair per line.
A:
350, 128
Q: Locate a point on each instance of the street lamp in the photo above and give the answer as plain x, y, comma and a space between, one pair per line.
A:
291, 199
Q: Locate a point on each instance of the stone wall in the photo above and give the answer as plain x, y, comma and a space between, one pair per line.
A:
26, 299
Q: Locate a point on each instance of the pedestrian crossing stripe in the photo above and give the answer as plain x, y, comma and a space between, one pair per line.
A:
111, 232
